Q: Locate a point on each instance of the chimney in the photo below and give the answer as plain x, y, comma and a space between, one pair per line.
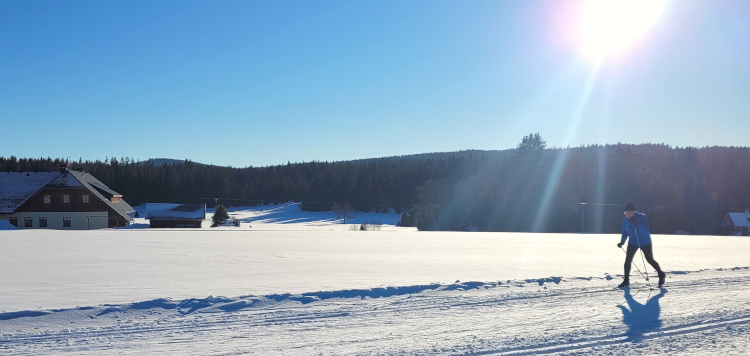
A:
64, 167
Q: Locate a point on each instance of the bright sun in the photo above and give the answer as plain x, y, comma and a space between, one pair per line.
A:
611, 26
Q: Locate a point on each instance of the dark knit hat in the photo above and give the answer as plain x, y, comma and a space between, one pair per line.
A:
629, 206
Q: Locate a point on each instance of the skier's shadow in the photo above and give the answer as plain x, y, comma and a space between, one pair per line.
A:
640, 318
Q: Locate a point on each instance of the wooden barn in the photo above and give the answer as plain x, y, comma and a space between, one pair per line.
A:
161, 215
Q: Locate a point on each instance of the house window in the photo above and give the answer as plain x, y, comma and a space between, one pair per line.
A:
13, 221
66, 198
66, 221
42, 221
28, 222
47, 199
85, 198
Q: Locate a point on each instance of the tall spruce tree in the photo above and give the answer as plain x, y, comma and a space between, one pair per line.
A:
220, 216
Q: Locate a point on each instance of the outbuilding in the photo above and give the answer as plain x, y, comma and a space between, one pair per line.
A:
737, 223
163, 215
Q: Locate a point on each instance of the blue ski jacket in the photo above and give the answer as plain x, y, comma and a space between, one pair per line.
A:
637, 229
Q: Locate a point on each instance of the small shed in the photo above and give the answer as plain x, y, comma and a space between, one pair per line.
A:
737, 223
162, 215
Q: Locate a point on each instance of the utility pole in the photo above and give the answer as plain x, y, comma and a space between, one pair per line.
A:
583, 215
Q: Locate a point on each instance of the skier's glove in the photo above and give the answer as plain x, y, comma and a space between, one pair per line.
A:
619, 245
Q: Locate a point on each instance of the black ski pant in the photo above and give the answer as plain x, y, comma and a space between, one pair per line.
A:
648, 251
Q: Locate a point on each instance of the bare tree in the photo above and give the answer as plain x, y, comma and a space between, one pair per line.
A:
343, 212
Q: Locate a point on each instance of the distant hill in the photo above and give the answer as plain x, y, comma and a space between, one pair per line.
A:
494, 154
168, 161
442, 155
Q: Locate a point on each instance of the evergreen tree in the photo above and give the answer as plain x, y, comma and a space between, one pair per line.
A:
220, 216
532, 142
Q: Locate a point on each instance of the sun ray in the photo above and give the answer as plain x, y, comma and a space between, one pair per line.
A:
561, 160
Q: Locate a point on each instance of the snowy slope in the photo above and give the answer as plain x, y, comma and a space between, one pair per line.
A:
289, 216
304, 285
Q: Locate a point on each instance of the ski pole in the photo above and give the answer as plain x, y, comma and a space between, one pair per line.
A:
643, 257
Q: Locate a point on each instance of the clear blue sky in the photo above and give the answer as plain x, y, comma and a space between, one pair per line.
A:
255, 83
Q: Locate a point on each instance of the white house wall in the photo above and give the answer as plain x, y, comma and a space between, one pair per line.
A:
79, 220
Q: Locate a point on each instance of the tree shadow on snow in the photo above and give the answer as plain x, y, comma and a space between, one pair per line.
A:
641, 318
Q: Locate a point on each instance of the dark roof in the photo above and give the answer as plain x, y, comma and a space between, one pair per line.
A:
17, 188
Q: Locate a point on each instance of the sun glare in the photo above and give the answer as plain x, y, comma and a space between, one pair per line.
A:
611, 26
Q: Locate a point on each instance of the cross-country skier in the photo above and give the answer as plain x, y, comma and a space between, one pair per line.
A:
635, 229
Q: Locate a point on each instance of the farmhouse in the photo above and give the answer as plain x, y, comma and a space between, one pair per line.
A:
737, 223
162, 215
60, 200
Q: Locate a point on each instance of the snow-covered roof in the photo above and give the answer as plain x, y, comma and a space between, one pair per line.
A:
64, 181
739, 219
17, 187
164, 211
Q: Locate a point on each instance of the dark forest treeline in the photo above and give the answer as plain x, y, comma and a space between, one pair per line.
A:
545, 190
374, 184
584, 189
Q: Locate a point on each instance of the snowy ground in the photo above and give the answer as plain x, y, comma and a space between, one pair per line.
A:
295, 283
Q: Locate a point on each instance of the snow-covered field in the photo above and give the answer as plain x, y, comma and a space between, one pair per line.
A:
293, 283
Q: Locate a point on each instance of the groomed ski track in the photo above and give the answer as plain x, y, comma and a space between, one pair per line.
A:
701, 312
